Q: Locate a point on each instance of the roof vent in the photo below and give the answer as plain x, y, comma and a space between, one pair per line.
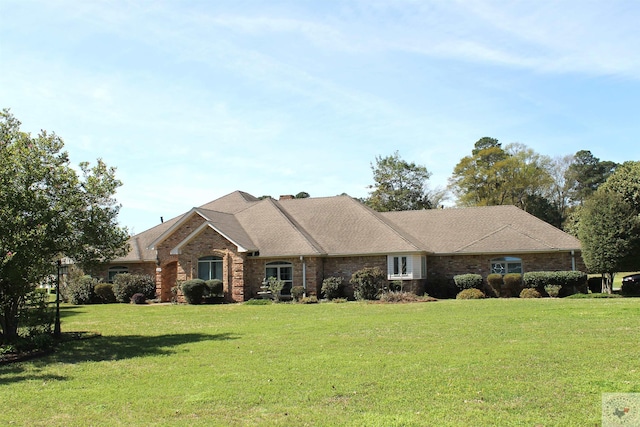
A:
287, 197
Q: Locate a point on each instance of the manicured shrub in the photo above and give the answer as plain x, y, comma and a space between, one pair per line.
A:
470, 293
214, 288
512, 284
530, 293
104, 293
297, 293
552, 290
495, 283
367, 283
138, 299
569, 282
629, 289
193, 290
441, 287
80, 289
332, 287
125, 285
468, 281
595, 284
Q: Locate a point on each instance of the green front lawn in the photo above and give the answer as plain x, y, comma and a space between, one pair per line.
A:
458, 363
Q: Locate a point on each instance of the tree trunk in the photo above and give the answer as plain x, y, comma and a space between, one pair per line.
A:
9, 321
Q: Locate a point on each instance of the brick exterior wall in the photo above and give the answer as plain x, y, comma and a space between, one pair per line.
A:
450, 266
148, 268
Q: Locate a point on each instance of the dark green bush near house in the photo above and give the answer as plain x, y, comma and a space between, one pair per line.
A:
332, 287
368, 283
512, 284
468, 281
125, 285
104, 293
214, 288
530, 293
595, 284
441, 287
569, 282
297, 293
194, 290
495, 283
630, 289
470, 293
138, 299
80, 289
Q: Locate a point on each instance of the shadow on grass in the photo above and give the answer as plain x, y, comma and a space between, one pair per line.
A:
104, 348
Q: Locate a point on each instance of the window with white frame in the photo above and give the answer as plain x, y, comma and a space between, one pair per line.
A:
114, 271
210, 267
283, 271
505, 265
406, 267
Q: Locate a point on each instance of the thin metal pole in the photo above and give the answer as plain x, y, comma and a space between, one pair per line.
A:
56, 328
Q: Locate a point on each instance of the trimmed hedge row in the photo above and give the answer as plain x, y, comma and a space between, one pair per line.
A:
468, 281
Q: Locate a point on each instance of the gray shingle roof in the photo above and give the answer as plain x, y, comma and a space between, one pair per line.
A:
343, 226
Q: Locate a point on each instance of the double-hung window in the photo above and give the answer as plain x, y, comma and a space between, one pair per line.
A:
282, 271
210, 267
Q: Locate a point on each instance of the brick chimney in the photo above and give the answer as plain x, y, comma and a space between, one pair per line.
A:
286, 197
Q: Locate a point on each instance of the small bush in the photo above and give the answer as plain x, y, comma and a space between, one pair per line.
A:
400, 297
37, 317
441, 287
552, 290
275, 287
629, 289
470, 293
104, 293
138, 299
80, 289
332, 287
125, 285
214, 288
512, 284
193, 290
468, 281
595, 284
312, 299
367, 283
297, 293
530, 293
495, 283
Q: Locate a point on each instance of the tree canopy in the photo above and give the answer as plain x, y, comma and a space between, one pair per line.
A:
48, 211
400, 185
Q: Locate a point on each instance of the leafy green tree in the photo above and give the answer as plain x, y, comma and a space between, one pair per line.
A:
515, 175
609, 229
400, 186
302, 195
46, 211
586, 174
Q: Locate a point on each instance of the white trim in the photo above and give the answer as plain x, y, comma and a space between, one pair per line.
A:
414, 266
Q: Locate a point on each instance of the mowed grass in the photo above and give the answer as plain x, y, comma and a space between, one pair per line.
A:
447, 363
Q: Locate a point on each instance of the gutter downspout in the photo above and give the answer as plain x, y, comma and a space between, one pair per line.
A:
573, 260
304, 276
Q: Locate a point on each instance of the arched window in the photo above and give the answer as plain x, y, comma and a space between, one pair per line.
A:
210, 267
282, 271
507, 264
115, 270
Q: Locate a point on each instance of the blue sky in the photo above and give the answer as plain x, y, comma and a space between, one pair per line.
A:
191, 100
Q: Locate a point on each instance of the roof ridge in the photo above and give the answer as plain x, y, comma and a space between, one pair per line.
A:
297, 227
396, 229
496, 231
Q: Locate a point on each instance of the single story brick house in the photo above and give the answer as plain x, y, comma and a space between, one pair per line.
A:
242, 240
